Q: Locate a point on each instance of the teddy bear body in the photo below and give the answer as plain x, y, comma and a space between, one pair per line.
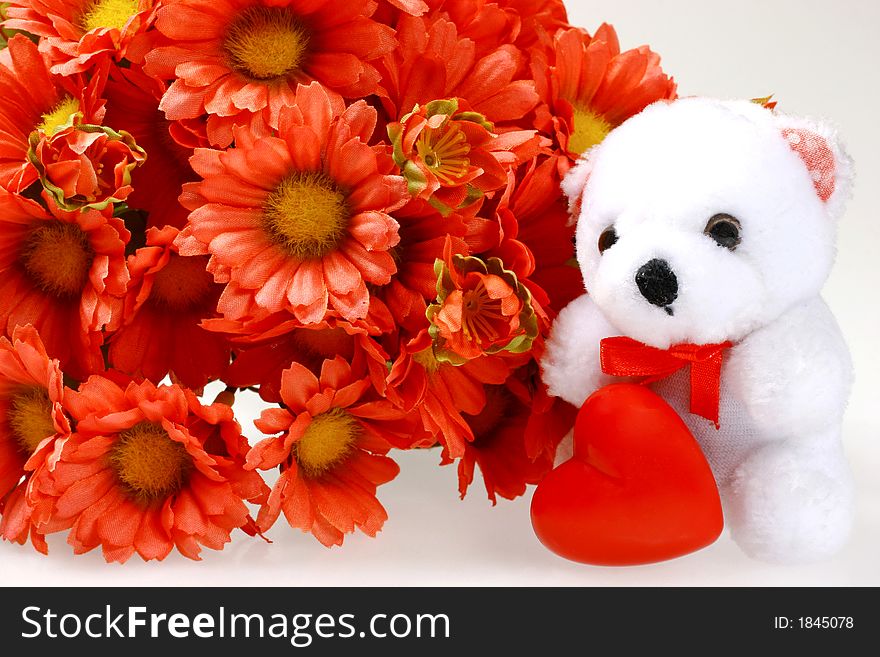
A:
702, 222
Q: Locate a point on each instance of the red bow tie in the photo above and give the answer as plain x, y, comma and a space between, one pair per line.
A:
627, 357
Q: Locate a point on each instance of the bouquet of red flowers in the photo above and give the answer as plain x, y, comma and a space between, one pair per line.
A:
351, 208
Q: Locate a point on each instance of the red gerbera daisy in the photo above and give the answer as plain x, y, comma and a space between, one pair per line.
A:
42, 102
65, 274
590, 87
168, 296
77, 33
31, 420
423, 234
499, 445
537, 18
434, 61
441, 392
536, 237
550, 420
297, 222
245, 57
266, 348
133, 106
331, 449
490, 22
147, 470
515, 434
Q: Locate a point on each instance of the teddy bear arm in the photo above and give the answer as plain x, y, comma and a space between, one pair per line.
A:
571, 364
794, 375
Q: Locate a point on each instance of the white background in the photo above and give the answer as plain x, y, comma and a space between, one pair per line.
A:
818, 58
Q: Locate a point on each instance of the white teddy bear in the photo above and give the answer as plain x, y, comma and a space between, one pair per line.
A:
702, 222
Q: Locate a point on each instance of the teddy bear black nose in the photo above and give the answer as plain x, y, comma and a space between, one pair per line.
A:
657, 282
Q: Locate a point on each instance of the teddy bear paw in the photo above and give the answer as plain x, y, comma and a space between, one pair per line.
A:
783, 510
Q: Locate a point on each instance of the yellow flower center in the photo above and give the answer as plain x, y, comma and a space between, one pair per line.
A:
589, 130
58, 115
328, 440
444, 151
57, 256
149, 463
30, 418
111, 14
183, 283
265, 43
306, 215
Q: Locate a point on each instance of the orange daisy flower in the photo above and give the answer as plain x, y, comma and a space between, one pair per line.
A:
133, 106
590, 87
31, 420
434, 61
244, 58
148, 470
43, 102
168, 296
76, 34
490, 22
298, 222
331, 450
64, 273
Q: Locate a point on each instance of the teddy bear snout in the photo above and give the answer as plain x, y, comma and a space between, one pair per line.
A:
658, 283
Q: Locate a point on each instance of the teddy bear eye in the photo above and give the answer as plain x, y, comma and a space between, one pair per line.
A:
607, 239
725, 230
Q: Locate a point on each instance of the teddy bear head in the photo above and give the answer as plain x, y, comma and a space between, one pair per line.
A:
700, 220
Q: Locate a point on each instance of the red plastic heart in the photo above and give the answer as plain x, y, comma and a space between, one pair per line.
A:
637, 490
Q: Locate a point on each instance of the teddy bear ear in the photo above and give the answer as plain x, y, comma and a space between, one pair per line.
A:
573, 186
828, 165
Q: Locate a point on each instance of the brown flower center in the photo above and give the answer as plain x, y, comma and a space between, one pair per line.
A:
182, 284
306, 215
589, 130
57, 256
149, 463
265, 43
328, 440
30, 418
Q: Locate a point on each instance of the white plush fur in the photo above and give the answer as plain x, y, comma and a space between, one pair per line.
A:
657, 179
